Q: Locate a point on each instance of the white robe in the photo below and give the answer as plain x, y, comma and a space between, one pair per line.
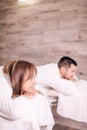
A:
22, 113
48, 75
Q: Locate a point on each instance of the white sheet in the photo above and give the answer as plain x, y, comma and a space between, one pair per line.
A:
74, 106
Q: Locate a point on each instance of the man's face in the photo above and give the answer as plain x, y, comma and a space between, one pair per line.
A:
69, 73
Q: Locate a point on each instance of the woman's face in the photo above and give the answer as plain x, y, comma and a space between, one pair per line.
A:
29, 83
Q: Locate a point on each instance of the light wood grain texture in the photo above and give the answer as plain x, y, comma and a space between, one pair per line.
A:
44, 32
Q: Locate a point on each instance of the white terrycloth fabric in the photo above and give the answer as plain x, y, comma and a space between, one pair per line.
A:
72, 101
21, 124
48, 75
22, 113
74, 106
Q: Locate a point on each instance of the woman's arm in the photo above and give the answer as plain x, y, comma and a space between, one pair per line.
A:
13, 109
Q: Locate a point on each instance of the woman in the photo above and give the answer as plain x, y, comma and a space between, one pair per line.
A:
21, 105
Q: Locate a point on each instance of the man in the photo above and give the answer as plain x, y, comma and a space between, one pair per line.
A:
58, 76
72, 92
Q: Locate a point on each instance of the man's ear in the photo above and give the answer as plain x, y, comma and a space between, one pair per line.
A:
62, 70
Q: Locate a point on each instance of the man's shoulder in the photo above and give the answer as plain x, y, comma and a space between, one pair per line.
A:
50, 65
47, 69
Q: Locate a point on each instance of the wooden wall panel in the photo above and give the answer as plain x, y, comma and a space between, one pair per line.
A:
44, 32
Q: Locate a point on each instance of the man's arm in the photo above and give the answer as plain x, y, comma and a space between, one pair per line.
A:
48, 75
63, 86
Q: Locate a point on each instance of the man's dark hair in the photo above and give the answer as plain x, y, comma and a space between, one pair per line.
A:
66, 62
